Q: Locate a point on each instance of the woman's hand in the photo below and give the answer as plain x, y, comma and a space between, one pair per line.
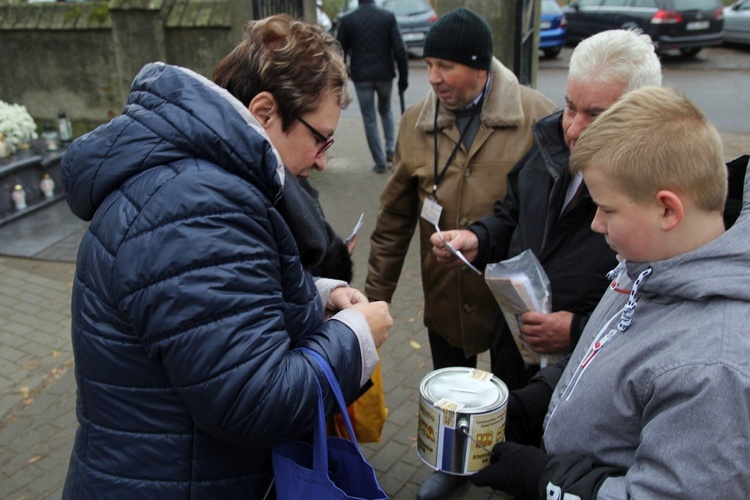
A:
344, 297
378, 316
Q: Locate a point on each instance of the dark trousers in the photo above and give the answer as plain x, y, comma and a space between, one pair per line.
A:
445, 355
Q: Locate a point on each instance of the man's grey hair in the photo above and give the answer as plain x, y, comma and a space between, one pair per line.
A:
621, 55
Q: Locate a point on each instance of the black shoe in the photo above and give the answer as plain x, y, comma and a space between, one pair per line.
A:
389, 156
379, 169
439, 485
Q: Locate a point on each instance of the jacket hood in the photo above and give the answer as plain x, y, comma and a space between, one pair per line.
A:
172, 114
502, 106
717, 269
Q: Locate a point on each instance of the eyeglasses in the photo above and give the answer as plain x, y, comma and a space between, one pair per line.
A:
327, 142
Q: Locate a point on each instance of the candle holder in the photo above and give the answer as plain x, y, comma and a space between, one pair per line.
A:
47, 185
19, 197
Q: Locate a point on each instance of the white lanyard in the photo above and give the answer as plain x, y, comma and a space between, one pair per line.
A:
596, 345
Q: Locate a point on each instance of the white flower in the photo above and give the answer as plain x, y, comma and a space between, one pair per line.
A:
16, 124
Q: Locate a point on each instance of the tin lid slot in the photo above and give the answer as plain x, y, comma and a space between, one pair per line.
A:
465, 386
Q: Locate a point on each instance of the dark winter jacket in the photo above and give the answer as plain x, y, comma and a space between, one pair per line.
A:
189, 295
371, 38
575, 259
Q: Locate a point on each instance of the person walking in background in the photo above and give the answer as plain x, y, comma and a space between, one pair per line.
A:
192, 291
548, 211
655, 399
372, 41
454, 150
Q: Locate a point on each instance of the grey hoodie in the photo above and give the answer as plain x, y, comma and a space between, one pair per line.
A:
666, 397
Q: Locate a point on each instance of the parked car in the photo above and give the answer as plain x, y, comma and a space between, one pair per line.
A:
552, 29
414, 18
737, 23
684, 25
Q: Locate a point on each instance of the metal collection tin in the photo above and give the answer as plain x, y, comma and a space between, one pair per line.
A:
461, 417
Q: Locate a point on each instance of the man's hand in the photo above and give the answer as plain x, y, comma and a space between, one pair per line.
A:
460, 239
403, 84
351, 245
547, 333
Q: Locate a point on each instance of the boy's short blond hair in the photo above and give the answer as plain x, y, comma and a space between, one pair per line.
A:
655, 138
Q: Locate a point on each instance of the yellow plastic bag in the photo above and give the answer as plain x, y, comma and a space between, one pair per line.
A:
367, 413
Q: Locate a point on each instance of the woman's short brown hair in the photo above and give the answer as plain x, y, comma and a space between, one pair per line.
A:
297, 62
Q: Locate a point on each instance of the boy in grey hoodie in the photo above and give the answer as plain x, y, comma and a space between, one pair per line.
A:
655, 400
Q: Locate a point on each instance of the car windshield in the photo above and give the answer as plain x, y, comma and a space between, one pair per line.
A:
401, 8
406, 7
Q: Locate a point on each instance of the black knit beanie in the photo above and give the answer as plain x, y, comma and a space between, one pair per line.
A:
461, 36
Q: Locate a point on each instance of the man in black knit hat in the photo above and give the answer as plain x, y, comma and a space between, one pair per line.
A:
371, 39
454, 150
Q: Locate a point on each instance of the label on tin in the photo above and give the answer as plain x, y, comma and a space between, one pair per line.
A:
429, 434
478, 374
461, 417
486, 431
449, 411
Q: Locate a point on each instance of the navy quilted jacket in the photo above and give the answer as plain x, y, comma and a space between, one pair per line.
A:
189, 294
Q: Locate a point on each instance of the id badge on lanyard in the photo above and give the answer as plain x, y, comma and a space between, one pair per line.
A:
431, 211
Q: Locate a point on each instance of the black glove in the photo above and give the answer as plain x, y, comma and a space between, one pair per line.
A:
526, 410
403, 84
515, 469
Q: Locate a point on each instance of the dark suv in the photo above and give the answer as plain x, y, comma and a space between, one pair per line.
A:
684, 25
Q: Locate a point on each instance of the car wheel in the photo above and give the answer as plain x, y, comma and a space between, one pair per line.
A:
551, 52
691, 52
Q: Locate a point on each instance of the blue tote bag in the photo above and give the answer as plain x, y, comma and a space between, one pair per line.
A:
330, 468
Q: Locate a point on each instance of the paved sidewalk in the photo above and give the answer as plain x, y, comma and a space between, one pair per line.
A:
37, 386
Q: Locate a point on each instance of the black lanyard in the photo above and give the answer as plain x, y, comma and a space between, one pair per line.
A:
439, 177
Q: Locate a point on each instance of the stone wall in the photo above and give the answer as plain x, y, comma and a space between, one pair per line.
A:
81, 57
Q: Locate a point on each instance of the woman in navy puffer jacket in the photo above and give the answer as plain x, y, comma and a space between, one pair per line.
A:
191, 290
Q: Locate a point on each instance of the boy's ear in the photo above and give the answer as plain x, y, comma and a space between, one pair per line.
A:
672, 209
263, 108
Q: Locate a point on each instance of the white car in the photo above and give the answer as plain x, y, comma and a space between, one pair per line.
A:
737, 23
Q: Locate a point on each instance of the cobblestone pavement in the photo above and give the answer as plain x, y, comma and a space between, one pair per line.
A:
37, 386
